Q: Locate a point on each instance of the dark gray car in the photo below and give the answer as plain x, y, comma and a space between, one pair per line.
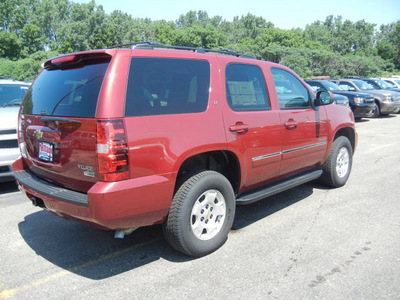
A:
383, 85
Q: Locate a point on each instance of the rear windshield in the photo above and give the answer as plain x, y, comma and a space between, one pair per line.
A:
159, 86
66, 92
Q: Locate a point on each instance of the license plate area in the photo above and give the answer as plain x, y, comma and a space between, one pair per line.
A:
46, 152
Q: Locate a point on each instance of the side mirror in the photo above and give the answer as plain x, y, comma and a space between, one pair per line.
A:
351, 89
324, 98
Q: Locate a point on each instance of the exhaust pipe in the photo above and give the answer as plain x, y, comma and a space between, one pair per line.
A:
37, 202
120, 233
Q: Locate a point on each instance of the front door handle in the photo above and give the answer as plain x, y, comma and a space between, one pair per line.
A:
290, 124
239, 128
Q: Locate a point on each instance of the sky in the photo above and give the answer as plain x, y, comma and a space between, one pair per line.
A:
284, 14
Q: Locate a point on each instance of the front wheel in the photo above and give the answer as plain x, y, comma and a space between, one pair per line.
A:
377, 111
201, 214
337, 168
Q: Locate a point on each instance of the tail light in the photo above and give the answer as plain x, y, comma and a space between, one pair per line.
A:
21, 141
112, 150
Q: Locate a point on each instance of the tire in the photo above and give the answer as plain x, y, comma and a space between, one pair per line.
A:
337, 168
201, 214
377, 111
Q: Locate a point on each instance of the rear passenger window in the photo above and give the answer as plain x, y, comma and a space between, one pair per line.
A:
291, 92
245, 88
160, 86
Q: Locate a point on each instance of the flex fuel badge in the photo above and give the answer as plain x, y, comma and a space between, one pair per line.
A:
87, 170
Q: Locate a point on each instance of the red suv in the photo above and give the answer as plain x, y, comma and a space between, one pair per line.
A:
123, 138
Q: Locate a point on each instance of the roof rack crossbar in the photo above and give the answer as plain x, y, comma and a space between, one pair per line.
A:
153, 44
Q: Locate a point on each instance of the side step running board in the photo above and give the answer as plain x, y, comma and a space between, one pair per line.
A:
276, 188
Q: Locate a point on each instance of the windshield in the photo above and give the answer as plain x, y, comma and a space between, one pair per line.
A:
391, 84
12, 94
384, 85
332, 86
362, 85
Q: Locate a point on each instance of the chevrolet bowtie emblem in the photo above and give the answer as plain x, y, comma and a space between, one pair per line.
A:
38, 134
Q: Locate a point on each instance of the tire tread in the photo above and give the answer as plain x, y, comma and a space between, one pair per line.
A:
328, 168
172, 225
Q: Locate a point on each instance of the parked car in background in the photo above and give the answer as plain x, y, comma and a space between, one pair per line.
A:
383, 85
379, 84
383, 99
394, 82
362, 104
11, 95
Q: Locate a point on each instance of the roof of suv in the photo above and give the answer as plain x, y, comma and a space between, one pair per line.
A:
176, 51
150, 45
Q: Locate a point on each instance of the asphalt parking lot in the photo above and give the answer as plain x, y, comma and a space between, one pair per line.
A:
306, 243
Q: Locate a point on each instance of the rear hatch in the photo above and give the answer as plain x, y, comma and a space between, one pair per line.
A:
58, 129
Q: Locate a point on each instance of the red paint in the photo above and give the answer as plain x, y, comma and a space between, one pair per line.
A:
131, 183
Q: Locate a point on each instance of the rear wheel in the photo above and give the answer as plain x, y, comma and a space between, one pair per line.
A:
201, 214
337, 168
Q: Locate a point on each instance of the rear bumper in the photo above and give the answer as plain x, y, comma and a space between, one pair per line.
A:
48, 190
108, 205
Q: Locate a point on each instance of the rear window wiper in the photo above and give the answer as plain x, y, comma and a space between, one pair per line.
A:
58, 120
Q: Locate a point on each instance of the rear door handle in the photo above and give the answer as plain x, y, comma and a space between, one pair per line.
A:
290, 124
239, 128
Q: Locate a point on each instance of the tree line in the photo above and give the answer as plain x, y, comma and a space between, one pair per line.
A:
32, 31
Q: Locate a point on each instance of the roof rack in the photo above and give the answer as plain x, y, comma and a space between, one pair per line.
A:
152, 44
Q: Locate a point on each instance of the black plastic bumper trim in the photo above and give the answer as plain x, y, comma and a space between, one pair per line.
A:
50, 190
